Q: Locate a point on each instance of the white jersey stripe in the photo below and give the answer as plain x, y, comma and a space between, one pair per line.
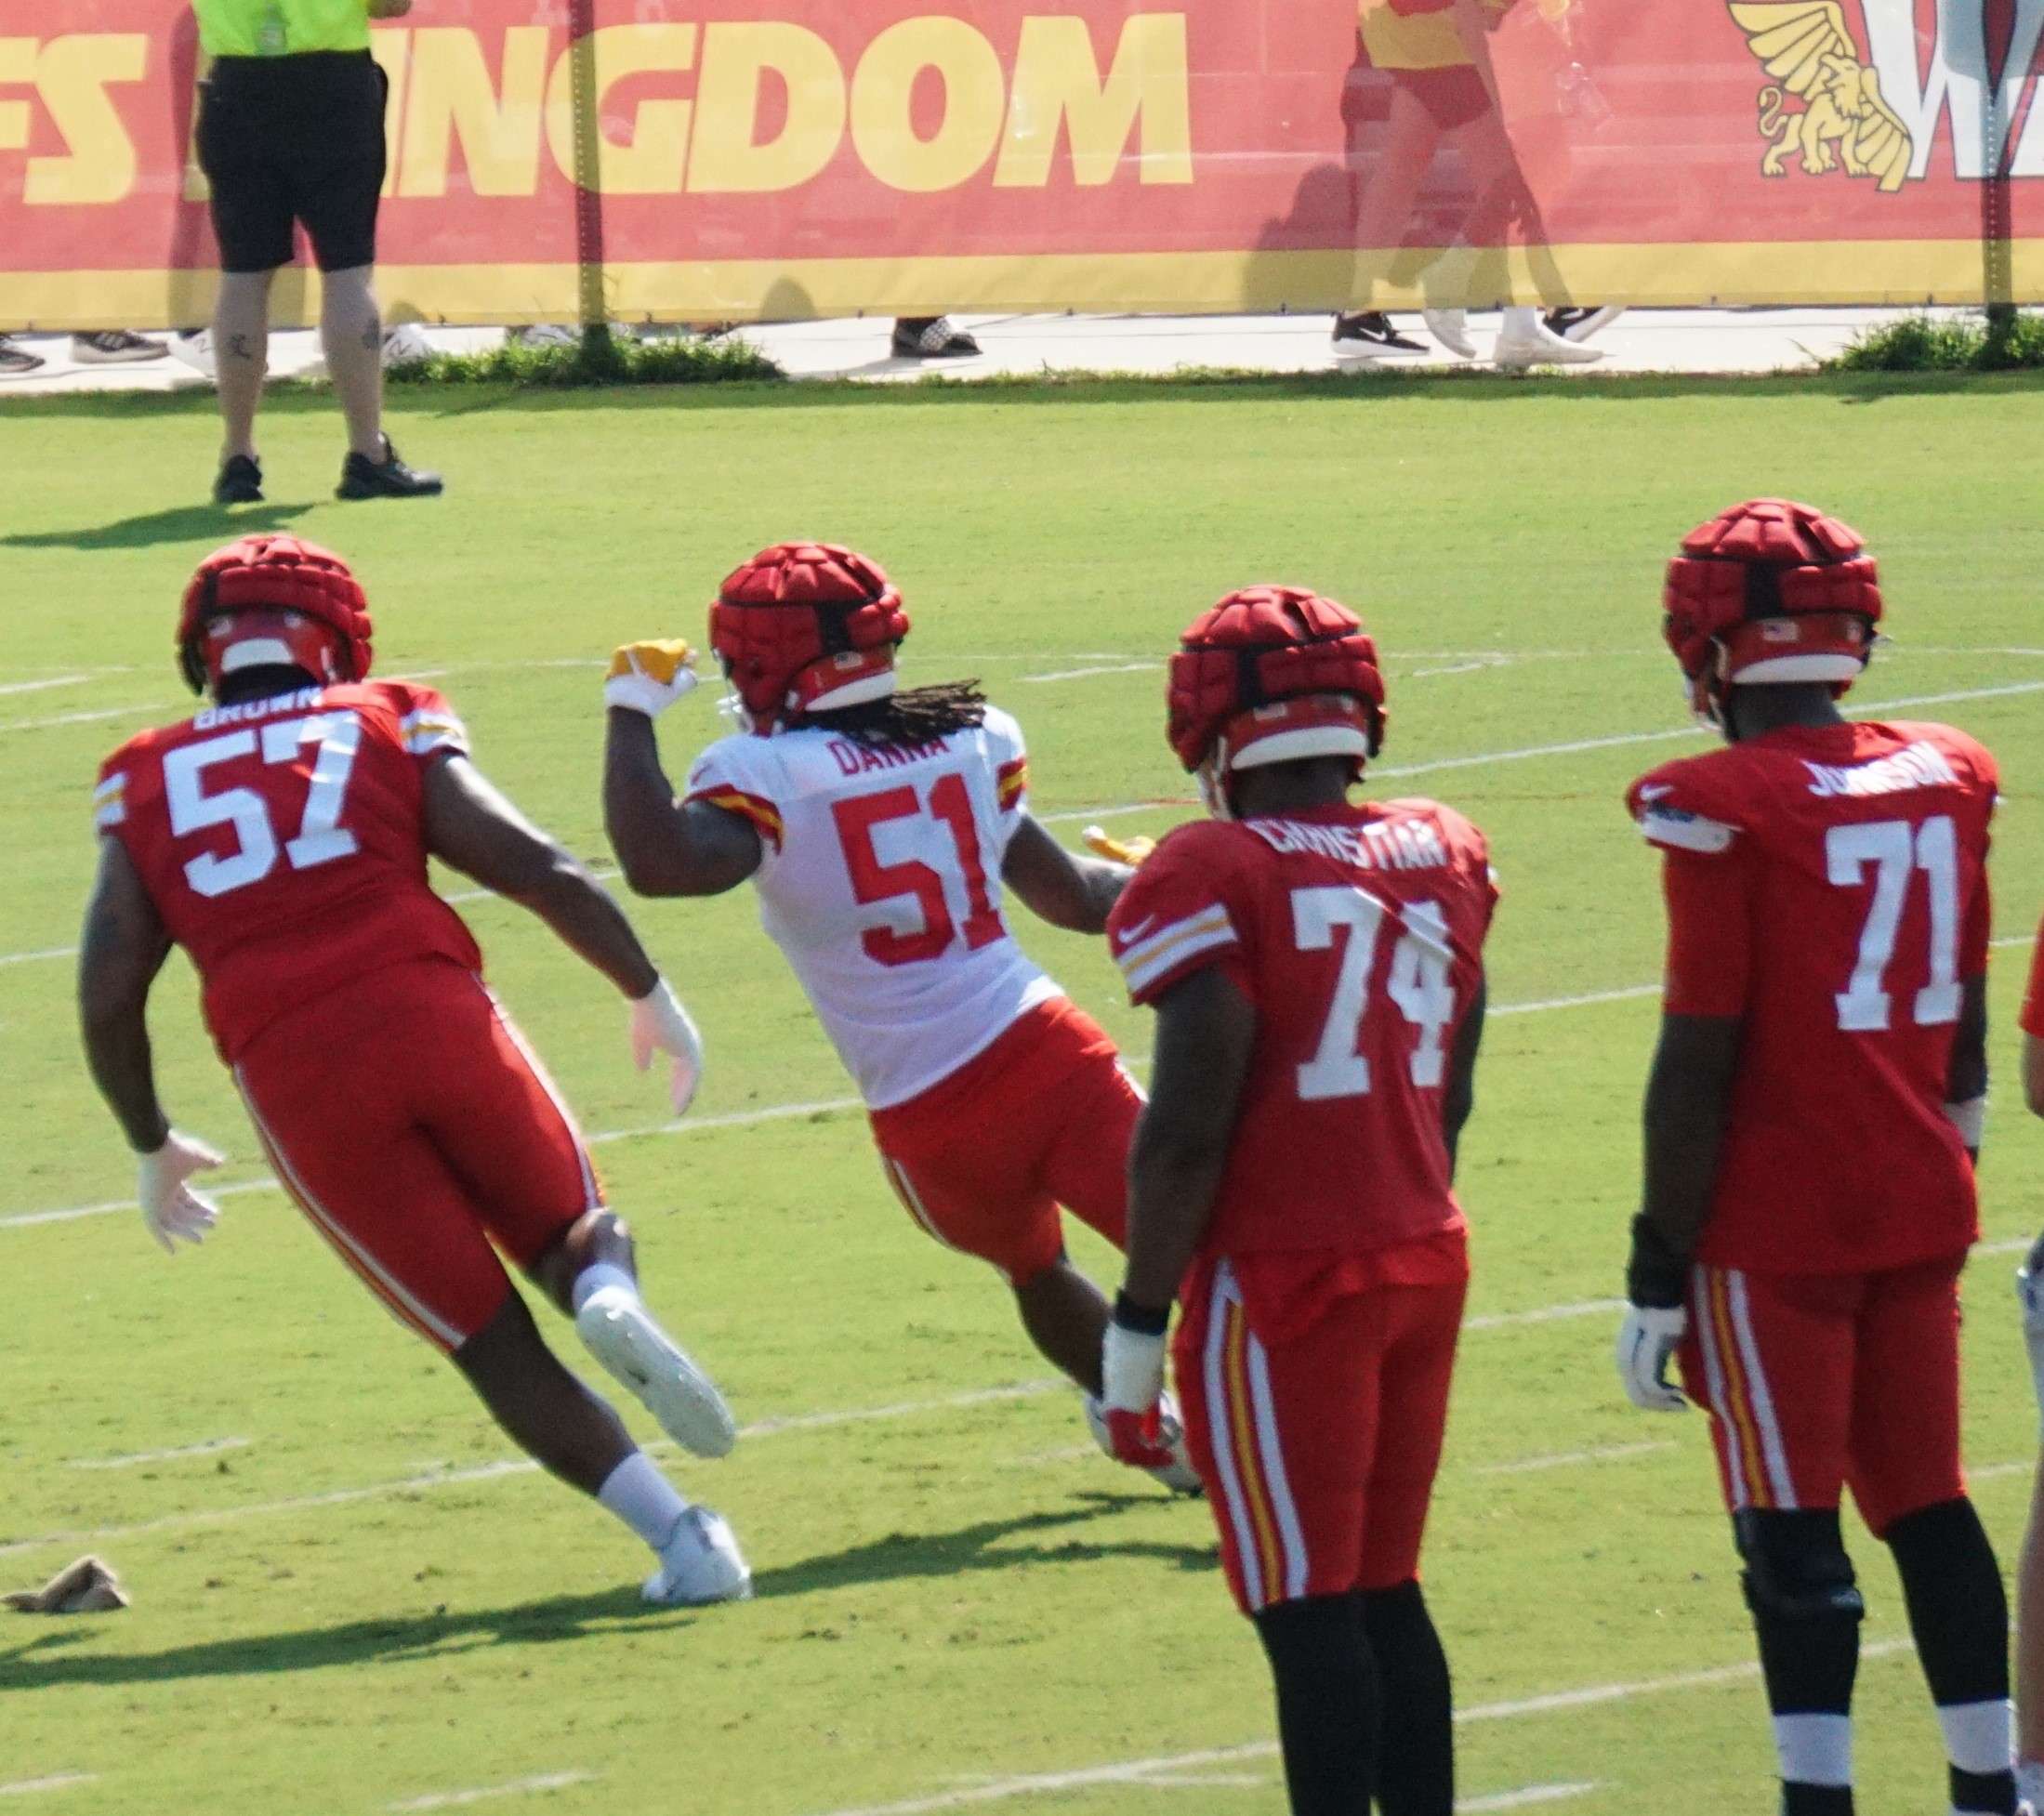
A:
1220, 1435
1758, 1395
1270, 1445
1139, 977
1706, 1335
396, 1299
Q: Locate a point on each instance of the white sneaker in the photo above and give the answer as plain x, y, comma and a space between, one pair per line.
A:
405, 345
195, 349
1595, 322
1178, 1475
699, 1564
1517, 349
621, 1335
1451, 328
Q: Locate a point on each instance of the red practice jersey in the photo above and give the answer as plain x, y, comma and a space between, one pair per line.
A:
1829, 885
1357, 932
2033, 997
283, 842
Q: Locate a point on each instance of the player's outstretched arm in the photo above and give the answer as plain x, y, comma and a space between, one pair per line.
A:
665, 847
471, 825
124, 947
1058, 886
1459, 1098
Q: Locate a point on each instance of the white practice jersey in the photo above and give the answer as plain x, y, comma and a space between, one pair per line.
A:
880, 879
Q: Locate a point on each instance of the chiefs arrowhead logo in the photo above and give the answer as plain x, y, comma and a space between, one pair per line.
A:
1843, 121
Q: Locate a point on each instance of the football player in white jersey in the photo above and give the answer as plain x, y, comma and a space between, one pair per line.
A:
882, 827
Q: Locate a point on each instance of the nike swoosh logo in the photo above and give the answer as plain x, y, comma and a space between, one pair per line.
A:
1655, 791
1129, 935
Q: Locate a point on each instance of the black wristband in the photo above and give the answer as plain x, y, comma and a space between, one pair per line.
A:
1145, 1321
1655, 1275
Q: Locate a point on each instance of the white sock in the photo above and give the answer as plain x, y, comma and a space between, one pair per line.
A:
643, 1498
594, 1278
1978, 1736
1521, 318
2029, 1781
1815, 1749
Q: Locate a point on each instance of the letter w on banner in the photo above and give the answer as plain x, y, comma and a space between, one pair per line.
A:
1094, 155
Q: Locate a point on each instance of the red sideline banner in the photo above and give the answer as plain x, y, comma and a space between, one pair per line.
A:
785, 158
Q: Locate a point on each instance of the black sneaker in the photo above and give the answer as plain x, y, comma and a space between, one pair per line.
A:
239, 482
387, 477
1373, 328
932, 337
15, 360
116, 347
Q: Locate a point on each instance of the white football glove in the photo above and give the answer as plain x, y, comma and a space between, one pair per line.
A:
2029, 1287
1131, 1396
649, 677
661, 1025
173, 1211
1646, 1340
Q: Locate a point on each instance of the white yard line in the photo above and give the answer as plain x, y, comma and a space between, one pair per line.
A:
1103, 668
212, 1447
518, 1787
1544, 1314
39, 687
144, 710
1526, 1798
1526, 1465
33, 958
24, 1787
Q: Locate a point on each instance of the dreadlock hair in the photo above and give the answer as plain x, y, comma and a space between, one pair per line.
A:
916, 716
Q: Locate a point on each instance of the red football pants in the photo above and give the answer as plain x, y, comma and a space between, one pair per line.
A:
1044, 1117
1817, 1381
415, 1128
1319, 1449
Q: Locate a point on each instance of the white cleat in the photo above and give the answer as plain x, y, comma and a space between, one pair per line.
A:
1520, 348
1451, 328
1178, 1475
699, 1565
195, 350
621, 1335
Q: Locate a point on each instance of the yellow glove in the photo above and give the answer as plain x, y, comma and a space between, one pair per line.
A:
1129, 851
649, 677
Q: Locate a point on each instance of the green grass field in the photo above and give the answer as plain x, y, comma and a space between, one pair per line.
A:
349, 1598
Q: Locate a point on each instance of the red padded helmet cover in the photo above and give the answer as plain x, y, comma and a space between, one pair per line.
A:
1260, 645
1769, 560
800, 619
276, 573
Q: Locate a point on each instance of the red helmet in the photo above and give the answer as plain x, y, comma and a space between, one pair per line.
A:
271, 600
1270, 674
805, 626
1767, 592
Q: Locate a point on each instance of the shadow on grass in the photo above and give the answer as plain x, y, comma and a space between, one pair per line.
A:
52, 1659
179, 523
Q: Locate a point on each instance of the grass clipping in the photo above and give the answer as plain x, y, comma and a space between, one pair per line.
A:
596, 359
1999, 342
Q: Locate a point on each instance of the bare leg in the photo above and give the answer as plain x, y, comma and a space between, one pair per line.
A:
241, 355
1386, 215
2029, 1641
596, 1236
556, 1420
351, 336
1066, 1317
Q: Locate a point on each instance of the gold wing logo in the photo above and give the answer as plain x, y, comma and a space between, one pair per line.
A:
1805, 47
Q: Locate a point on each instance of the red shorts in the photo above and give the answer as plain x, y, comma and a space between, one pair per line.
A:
1815, 1381
1044, 1117
1315, 1420
416, 1128
1453, 97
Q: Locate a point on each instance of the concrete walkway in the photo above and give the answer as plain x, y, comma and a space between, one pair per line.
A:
1643, 340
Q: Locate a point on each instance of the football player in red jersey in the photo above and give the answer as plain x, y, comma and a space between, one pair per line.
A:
2029, 1621
883, 829
280, 837
1811, 1118
1316, 969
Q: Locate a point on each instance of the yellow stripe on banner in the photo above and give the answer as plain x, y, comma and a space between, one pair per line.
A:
1745, 1431
1718, 273
1249, 1463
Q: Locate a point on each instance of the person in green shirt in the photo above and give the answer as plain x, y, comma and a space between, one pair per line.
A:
291, 134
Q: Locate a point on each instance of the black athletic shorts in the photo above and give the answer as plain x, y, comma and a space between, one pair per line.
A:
294, 137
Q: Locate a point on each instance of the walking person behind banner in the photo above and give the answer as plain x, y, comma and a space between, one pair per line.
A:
291, 131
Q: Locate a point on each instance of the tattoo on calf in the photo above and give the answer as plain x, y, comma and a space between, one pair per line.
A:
371, 336
238, 346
